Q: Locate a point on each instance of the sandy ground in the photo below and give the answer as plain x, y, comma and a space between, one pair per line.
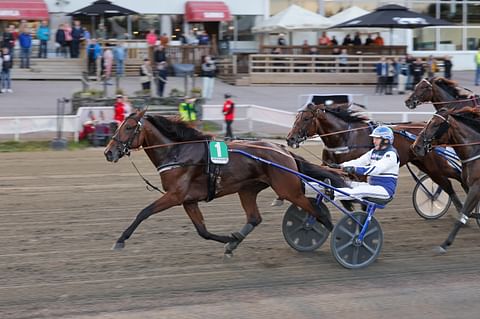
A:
62, 211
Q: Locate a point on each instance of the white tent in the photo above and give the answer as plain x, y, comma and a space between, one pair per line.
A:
294, 18
347, 14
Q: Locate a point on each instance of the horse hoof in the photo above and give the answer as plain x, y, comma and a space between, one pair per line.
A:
277, 202
439, 250
118, 246
227, 256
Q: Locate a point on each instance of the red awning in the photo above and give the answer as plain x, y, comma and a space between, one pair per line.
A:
205, 11
23, 10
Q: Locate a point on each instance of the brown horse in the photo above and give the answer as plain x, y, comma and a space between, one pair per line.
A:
442, 93
462, 128
345, 135
180, 153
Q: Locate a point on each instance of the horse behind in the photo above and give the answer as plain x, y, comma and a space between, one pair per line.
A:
180, 153
345, 135
461, 127
442, 93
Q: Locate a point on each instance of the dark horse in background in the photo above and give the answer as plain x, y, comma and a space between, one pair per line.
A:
461, 127
180, 153
442, 93
345, 135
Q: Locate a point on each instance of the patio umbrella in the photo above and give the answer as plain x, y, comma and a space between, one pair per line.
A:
392, 16
103, 9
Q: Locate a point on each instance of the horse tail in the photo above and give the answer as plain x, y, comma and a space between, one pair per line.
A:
318, 172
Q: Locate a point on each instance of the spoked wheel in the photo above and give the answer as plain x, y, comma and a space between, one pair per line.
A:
302, 231
429, 200
347, 250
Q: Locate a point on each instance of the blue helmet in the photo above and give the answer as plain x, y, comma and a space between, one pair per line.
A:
383, 132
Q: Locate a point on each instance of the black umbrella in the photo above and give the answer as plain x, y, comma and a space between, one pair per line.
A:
102, 8
392, 16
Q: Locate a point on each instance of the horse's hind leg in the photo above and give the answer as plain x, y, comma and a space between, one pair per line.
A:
196, 217
248, 198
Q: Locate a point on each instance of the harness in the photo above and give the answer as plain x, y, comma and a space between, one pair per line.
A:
346, 149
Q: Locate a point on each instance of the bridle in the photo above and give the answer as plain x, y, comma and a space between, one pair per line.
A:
416, 100
427, 142
302, 132
124, 147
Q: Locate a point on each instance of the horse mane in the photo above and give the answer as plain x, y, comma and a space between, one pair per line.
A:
347, 115
451, 87
176, 129
469, 116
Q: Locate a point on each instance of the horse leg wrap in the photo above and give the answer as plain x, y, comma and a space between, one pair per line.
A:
463, 219
238, 237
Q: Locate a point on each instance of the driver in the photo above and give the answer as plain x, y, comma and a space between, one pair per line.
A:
381, 164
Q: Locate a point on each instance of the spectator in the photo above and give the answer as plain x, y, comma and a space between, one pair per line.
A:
356, 39
343, 60
161, 78
378, 40
281, 41
101, 32
409, 60
145, 74
229, 115
6, 85
333, 41
347, 40
159, 54
25, 40
208, 74
107, 63
164, 39
94, 51
369, 40
324, 40
119, 54
151, 39
119, 110
77, 37
417, 70
68, 38
9, 38
43, 34
431, 66
305, 47
390, 76
60, 42
382, 73
447, 67
203, 38
402, 74
187, 110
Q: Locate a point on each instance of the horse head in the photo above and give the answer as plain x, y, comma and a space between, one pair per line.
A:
433, 133
305, 124
422, 93
128, 135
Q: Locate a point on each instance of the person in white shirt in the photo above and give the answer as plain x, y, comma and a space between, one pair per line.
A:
381, 164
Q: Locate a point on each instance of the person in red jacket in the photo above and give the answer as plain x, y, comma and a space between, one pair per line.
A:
119, 109
229, 114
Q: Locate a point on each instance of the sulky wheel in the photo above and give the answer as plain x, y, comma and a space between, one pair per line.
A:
430, 202
302, 231
347, 250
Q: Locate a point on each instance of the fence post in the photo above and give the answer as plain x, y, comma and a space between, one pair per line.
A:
16, 136
404, 117
250, 120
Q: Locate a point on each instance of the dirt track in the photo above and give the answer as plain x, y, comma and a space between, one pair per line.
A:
62, 211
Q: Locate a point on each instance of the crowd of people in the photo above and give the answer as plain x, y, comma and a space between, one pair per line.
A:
404, 73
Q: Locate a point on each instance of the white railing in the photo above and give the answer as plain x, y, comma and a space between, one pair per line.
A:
249, 118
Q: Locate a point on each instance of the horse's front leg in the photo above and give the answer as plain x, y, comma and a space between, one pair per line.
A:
165, 202
470, 203
193, 211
